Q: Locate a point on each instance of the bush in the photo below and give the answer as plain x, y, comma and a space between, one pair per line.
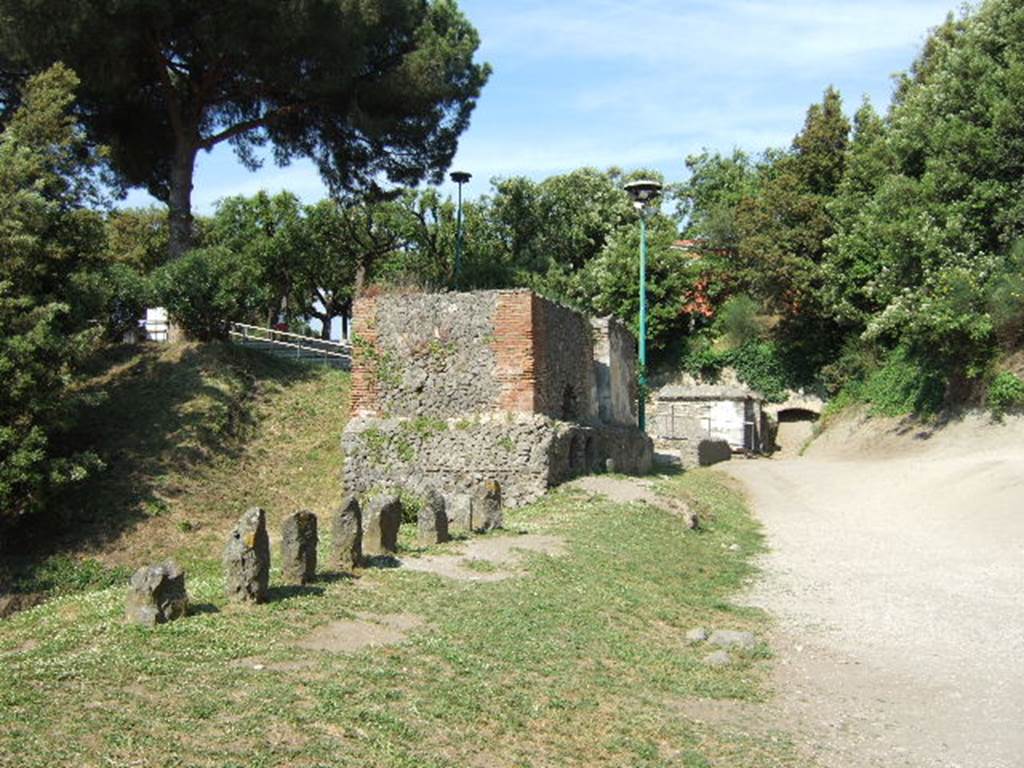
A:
1005, 393
737, 321
902, 386
207, 289
115, 296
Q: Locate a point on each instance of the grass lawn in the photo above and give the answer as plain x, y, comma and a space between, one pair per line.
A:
579, 660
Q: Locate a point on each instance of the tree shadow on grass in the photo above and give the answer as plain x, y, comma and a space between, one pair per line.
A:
161, 412
287, 591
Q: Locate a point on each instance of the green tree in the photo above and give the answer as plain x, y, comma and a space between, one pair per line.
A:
268, 235
782, 230
138, 238
708, 200
209, 288
608, 284
49, 240
379, 88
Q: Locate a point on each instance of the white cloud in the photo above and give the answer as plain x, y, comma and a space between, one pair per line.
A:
715, 35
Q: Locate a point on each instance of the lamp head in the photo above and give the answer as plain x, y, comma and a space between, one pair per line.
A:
461, 177
643, 192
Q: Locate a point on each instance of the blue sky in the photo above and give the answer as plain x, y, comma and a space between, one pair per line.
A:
643, 83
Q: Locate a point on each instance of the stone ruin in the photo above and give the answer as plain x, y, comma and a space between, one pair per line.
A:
452, 390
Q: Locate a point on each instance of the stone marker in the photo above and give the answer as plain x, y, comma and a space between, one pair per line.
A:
698, 635
459, 509
347, 535
247, 559
729, 638
298, 547
718, 659
610, 466
487, 513
432, 520
712, 451
156, 594
380, 526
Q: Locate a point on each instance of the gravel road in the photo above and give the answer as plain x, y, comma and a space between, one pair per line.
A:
896, 573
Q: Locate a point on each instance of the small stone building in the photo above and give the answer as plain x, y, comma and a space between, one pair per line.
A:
453, 389
685, 414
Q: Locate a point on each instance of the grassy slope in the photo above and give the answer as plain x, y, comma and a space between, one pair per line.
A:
192, 435
581, 662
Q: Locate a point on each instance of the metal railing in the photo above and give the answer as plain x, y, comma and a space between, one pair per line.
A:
293, 344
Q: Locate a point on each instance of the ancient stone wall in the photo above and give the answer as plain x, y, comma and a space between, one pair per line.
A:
451, 390
564, 352
615, 371
526, 453
425, 353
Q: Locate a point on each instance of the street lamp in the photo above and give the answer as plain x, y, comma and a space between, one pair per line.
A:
643, 193
460, 178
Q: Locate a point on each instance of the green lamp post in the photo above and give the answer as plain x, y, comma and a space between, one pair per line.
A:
460, 178
643, 193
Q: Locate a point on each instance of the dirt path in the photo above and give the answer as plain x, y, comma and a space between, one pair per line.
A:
897, 576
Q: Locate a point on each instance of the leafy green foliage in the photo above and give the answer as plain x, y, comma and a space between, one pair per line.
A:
737, 321
900, 386
49, 241
1005, 393
370, 90
209, 288
138, 237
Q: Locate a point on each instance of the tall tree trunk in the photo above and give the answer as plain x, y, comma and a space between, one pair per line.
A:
360, 278
179, 201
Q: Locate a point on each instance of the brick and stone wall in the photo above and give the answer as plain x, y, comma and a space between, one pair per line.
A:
563, 345
615, 371
453, 389
526, 453
425, 353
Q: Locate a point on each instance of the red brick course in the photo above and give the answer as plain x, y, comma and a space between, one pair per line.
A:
364, 386
513, 345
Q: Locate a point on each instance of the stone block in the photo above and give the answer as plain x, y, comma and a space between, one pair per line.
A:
380, 526
247, 559
459, 509
729, 638
432, 520
298, 547
156, 594
487, 513
712, 452
347, 535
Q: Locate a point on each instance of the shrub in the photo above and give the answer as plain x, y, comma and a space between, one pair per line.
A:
737, 321
1005, 393
904, 385
208, 289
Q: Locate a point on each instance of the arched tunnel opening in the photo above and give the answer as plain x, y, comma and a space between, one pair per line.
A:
795, 429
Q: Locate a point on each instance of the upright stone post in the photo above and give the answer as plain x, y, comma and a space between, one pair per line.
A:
347, 535
298, 547
247, 559
459, 510
156, 594
432, 521
380, 526
487, 514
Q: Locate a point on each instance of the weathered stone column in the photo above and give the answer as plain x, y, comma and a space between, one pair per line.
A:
156, 594
298, 547
347, 535
247, 559
459, 510
487, 514
432, 521
380, 526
